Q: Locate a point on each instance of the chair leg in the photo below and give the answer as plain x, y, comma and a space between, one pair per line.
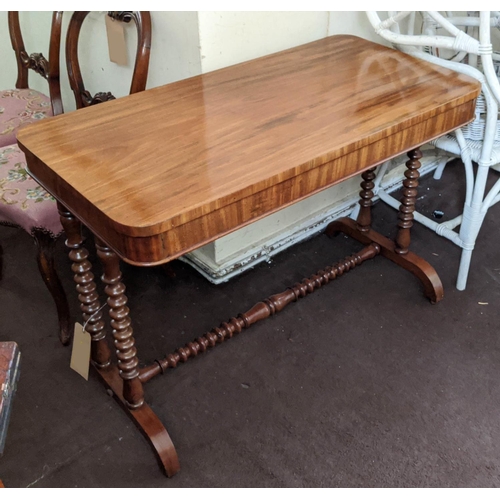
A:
469, 229
463, 269
45, 259
438, 173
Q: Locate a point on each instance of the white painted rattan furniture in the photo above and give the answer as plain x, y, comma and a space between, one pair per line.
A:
461, 43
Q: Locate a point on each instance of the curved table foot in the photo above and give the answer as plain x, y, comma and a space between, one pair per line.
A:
146, 420
433, 288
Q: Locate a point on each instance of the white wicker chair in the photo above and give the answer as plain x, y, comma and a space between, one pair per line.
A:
479, 142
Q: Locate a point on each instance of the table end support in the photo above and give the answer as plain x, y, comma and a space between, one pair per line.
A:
433, 288
146, 421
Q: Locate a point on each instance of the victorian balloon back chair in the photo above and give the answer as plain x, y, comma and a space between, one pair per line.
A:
142, 21
24, 105
23, 202
461, 43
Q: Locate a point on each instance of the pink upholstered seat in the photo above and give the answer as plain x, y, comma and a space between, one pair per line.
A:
19, 107
23, 202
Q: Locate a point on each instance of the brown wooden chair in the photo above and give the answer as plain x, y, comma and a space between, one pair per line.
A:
23, 202
140, 74
23, 105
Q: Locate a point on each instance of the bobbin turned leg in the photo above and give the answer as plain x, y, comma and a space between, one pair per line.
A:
86, 288
126, 352
397, 251
364, 219
407, 206
124, 379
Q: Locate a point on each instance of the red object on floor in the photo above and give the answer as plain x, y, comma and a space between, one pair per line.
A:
9, 373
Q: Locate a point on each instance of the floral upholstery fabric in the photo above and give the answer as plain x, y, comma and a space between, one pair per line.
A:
23, 202
19, 107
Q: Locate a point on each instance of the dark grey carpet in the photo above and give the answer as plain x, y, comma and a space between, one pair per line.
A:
364, 383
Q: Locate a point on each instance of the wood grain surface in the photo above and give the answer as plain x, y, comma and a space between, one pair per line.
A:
161, 172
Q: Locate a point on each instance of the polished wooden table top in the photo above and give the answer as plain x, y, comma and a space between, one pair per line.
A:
164, 171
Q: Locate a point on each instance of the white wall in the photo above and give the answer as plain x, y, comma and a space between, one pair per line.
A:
354, 23
228, 38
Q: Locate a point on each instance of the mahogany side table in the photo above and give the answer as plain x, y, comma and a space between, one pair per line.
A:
159, 173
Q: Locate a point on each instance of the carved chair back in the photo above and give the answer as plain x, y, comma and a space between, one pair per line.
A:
142, 22
48, 69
